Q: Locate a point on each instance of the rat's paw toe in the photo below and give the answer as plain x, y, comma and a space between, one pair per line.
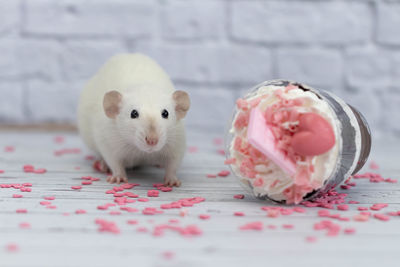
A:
117, 179
172, 182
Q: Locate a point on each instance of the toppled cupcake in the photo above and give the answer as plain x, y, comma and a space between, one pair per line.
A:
287, 141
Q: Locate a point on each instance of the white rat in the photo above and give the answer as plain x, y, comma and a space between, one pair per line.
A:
130, 114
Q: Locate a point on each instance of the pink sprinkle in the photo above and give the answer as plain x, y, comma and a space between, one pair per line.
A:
258, 226
128, 209
381, 217
49, 198
115, 212
143, 199
168, 255
12, 247
151, 211
59, 139
76, 187
45, 203
311, 239
1, 171
80, 211
331, 228
349, 230
142, 229
239, 196
230, 161
221, 152
373, 165
211, 176
9, 149
362, 208
153, 193
131, 195
21, 210
25, 189
342, 207
271, 226
378, 206
17, 196
273, 213
28, 168
288, 226
204, 216
51, 207
361, 217
107, 226
353, 202
193, 149
40, 171
218, 141
165, 189
238, 213
89, 157
86, 182
24, 225
299, 210
132, 222
224, 173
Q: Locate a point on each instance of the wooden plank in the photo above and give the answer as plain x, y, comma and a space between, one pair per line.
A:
56, 240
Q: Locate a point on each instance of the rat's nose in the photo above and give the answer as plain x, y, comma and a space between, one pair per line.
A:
151, 140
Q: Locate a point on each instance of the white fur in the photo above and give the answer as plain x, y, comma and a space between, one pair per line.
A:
120, 142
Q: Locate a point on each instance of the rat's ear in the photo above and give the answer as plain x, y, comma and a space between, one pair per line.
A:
182, 103
111, 103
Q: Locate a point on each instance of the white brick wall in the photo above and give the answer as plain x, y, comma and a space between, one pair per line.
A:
215, 49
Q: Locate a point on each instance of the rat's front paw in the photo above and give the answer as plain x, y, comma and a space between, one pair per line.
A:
117, 179
172, 181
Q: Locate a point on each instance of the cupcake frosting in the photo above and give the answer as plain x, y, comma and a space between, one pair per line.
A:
282, 105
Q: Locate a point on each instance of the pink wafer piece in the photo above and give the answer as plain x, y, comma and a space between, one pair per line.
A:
260, 136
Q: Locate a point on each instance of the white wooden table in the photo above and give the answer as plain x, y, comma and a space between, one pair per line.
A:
55, 239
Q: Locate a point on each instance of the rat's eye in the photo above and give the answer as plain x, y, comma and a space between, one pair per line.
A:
165, 114
134, 114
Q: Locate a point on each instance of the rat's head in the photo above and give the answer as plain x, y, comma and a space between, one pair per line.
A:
145, 119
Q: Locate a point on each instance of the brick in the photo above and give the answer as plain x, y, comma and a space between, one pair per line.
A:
330, 22
9, 16
90, 18
52, 101
212, 64
216, 113
391, 111
370, 67
8, 64
193, 20
11, 102
367, 101
388, 24
82, 59
29, 58
38, 58
321, 68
